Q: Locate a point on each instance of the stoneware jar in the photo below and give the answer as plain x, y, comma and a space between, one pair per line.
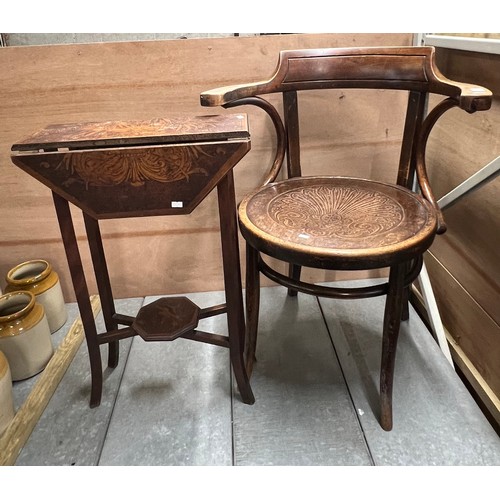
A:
6, 399
24, 334
38, 277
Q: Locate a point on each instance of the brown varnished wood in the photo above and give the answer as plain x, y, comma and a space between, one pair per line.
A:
291, 116
392, 320
252, 304
208, 312
294, 169
163, 166
281, 142
337, 222
82, 295
103, 284
138, 169
417, 102
166, 319
403, 68
208, 338
332, 292
348, 223
114, 336
136, 181
414, 118
232, 284
124, 81
123, 319
400, 68
179, 129
423, 179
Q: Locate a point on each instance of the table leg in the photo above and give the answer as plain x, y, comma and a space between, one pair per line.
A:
82, 295
232, 284
103, 284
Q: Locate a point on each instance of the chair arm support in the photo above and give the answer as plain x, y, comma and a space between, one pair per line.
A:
423, 179
278, 127
273, 114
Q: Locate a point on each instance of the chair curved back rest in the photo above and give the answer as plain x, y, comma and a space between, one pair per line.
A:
403, 68
409, 69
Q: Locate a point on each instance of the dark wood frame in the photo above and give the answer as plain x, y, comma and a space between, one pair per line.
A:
410, 69
228, 137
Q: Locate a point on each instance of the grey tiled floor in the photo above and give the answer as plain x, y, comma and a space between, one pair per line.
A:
315, 384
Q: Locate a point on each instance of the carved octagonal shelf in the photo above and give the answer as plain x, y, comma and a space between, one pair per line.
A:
166, 319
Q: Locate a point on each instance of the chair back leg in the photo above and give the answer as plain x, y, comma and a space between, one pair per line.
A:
252, 301
294, 273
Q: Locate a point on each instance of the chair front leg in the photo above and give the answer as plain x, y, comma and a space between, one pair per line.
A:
252, 301
392, 321
405, 312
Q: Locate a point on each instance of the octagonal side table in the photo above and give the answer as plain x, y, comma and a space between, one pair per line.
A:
119, 169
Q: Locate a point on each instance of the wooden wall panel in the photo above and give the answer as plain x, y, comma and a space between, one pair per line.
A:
465, 264
41, 85
474, 331
464, 144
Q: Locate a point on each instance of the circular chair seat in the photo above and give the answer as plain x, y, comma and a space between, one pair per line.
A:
337, 222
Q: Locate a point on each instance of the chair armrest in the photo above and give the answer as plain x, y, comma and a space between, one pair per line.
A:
224, 95
469, 97
411, 68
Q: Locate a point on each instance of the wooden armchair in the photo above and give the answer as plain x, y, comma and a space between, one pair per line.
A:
346, 223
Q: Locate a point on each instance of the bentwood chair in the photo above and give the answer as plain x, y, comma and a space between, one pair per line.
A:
346, 223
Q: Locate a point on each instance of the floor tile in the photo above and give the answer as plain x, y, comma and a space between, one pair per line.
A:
174, 403
70, 432
436, 421
302, 414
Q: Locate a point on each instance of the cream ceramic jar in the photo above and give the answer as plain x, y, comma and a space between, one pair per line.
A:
24, 334
6, 399
38, 277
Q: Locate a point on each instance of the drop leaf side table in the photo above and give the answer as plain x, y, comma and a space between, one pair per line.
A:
160, 167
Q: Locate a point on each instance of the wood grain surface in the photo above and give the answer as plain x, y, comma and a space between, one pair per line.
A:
20, 428
43, 85
464, 266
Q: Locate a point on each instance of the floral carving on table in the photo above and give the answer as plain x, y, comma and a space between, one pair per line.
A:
133, 166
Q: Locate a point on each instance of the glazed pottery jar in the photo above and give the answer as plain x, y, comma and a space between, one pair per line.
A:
38, 277
6, 399
24, 334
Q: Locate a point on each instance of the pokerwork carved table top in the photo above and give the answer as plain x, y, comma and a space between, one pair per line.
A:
168, 130
163, 166
112, 169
